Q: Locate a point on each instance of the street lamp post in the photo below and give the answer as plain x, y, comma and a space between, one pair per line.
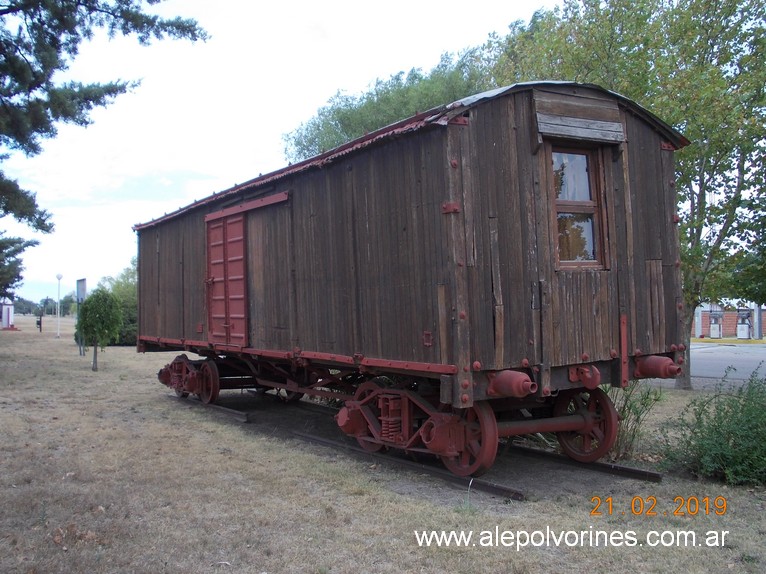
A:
58, 307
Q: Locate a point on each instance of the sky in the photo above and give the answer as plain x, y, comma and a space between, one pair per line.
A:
209, 115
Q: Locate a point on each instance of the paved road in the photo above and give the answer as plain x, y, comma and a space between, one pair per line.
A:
710, 360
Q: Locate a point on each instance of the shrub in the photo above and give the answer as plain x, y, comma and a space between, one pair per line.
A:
633, 404
722, 435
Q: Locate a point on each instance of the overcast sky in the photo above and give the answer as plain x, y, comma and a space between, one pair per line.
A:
210, 115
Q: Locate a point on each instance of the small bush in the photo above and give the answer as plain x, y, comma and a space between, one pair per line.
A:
722, 435
633, 404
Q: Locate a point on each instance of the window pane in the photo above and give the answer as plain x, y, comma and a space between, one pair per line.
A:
570, 176
576, 237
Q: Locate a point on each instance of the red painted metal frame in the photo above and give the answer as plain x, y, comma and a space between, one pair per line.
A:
227, 280
314, 392
401, 432
624, 370
324, 357
249, 206
435, 368
327, 358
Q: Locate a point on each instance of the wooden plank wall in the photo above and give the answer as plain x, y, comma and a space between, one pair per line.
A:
160, 264
194, 275
586, 302
516, 295
271, 290
655, 275
577, 113
148, 282
501, 253
171, 279
323, 265
369, 252
355, 262
400, 233
671, 256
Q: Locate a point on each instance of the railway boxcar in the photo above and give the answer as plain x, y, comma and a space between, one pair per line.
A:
473, 272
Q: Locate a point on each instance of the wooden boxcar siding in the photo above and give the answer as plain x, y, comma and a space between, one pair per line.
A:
369, 253
148, 282
501, 252
194, 274
271, 288
582, 305
324, 266
521, 307
172, 279
655, 277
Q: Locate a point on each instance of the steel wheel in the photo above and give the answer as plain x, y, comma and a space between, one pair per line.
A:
481, 440
600, 432
209, 382
175, 375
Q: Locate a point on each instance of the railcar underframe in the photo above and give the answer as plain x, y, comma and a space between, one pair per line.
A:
404, 407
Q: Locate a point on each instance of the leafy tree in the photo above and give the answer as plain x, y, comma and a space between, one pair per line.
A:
751, 279
67, 304
701, 66
38, 40
346, 117
23, 306
47, 306
125, 288
99, 320
748, 280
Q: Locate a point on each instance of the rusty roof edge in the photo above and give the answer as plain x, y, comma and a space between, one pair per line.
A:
439, 115
676, 137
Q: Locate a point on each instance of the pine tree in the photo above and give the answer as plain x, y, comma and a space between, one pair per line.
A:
38, 39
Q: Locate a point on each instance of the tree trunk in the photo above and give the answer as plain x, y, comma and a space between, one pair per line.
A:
684, 380
95, 357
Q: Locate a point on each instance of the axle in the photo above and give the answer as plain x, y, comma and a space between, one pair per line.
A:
574, 422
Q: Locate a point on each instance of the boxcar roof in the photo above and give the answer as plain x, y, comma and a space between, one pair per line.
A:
440, 115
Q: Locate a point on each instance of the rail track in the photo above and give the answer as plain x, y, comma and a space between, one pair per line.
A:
423, 465
603, 467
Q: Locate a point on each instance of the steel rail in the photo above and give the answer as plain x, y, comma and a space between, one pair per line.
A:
604, 467
478, 484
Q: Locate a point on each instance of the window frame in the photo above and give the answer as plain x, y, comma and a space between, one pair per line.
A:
596, 206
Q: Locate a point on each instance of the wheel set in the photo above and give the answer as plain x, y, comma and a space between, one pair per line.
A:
381, 415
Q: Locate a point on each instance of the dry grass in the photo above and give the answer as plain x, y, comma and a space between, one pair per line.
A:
101, 472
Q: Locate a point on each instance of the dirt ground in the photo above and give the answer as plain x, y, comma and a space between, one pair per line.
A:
104, 472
